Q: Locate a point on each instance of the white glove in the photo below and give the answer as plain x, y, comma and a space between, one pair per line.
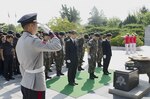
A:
104, 56
89, 57
68, 61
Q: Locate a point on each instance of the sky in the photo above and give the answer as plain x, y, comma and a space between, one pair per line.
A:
12, 10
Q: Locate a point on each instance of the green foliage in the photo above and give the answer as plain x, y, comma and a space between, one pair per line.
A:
143, 10
97, 18
130, 19
137, 28
117, 41
70, 13
131, 26
9, 27
59, 24
114, 31
95, 29
19, 29
113, 22
146, 19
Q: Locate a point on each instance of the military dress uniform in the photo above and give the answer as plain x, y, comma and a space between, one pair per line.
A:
29, 51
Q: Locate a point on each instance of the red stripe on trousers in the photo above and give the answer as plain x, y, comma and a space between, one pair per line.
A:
39, 95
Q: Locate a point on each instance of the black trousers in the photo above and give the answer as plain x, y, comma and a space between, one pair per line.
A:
31, 94
72, 69
8, 69
1, 67
106, 62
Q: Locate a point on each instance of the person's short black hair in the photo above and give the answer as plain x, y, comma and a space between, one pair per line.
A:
72, 32
96, 34
61, 33
9, 36
108, 34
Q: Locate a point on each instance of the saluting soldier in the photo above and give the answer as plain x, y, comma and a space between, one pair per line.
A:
59, 55
92, 54
29, 50
100, 51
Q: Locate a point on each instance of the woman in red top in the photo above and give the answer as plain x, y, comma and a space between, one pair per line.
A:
134, 43
127, 42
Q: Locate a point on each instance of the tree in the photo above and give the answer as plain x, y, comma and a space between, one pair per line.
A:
113, 22
60, 24
9, 27
130, 19
143, 10
146, 19
97, 18
70, 13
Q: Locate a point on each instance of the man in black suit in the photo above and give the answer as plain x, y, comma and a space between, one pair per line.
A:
71, 57
107, 53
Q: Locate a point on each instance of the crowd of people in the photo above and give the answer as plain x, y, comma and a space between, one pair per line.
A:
9, 64
24, 54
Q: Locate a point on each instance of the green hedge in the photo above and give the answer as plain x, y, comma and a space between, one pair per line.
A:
114, 31
132, 26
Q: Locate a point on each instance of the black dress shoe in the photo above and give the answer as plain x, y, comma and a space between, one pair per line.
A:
71, 84
95, 76
47, 77
61, 73
50, 70
75, 83
82, 68
105, 74
12, 78
108, 73
7, 79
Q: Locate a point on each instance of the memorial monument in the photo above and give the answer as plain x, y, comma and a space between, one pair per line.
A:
147, 36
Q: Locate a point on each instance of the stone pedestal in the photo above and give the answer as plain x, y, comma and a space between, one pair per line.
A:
137, 93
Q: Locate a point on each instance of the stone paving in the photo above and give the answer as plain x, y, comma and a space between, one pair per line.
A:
11, 89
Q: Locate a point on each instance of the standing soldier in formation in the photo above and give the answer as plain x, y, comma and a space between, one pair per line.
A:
72, 57
59, 55
7, 54
29, 51
100, 51
16, 63
66, 38
81, 48
46, 55
92, 54
107, 53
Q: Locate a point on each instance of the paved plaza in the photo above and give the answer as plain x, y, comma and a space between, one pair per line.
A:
11, 89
